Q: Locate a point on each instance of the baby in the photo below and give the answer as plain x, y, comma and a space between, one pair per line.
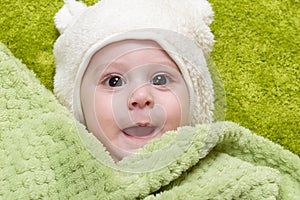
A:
130, 79
132, 92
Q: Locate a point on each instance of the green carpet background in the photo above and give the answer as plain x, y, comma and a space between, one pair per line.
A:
257, 53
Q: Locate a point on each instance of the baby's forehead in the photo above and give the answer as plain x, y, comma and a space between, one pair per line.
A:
130, 52
136, 46
123, 47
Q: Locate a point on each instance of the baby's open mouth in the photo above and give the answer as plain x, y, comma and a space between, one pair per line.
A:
140, 131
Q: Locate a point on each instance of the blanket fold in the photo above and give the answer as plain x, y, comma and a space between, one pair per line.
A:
46, 154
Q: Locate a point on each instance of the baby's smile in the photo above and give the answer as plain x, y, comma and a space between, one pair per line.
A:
140, 132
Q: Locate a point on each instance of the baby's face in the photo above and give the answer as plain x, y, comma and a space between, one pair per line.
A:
132, 92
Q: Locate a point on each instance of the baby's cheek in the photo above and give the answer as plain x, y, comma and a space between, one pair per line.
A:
175, 116
103, 109
174, 112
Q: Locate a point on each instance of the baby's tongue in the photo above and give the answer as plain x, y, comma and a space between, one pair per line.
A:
139, 131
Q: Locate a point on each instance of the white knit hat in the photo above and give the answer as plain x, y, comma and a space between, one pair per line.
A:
179, 27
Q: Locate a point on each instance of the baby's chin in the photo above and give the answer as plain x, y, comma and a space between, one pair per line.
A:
130, 140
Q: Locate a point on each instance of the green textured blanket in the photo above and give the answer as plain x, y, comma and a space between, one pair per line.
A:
46, 154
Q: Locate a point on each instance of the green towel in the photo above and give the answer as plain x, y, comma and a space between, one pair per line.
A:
46, 154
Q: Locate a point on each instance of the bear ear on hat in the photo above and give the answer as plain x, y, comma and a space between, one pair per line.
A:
68, 14
205, 8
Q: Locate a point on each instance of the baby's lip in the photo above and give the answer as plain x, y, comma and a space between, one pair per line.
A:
140, 131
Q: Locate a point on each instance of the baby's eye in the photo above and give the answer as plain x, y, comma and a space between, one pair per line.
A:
115, 81
160, 79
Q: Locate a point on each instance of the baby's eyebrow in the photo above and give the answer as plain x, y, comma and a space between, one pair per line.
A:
166, 61
109, 66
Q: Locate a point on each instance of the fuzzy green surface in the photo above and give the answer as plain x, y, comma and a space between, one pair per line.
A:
257, 52
46, 154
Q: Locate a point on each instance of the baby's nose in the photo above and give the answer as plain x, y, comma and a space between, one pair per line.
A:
141, 98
